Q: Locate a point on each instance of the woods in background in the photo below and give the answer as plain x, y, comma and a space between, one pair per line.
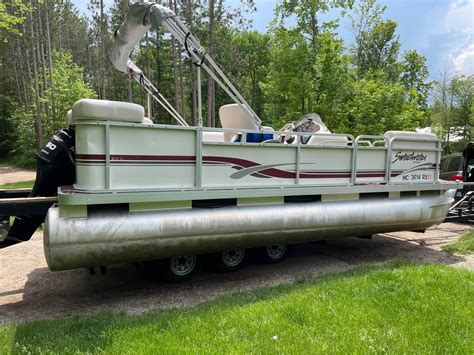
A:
52, 56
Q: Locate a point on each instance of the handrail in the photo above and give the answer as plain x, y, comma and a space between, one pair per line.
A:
413, 139
355, 155
353, 145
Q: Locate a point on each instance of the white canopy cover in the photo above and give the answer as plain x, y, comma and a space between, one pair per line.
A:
142, 16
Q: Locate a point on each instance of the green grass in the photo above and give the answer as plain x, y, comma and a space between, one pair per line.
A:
400, 307
8, 160
18, 185
464, 245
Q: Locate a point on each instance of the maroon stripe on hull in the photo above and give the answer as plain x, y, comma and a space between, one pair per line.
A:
123, 157
237, 163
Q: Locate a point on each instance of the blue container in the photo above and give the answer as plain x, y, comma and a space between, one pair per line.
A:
258, 137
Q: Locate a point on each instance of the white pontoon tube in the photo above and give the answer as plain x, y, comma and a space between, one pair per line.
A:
143, 16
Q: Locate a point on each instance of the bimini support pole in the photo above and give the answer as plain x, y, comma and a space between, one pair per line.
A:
143, 16
148, 106
199, 94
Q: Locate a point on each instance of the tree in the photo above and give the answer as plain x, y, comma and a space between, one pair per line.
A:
309, 70
69, 88
462, 88
443, 106
414, 76
9, 22
376, 46
252, 58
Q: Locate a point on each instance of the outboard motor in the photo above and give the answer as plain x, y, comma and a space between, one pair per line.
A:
55, 167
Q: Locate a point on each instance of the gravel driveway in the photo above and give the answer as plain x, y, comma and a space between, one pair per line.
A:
28, 290
10, 175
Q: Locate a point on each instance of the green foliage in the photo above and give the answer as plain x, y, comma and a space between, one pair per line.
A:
464, 245
378, 106
380, 50
453, 111
7, 137
399, 307
414, 76
288, 88
24, 146
69, 87
9, 22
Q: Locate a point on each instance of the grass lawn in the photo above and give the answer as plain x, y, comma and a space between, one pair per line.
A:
464, 245
18, 185
399, 307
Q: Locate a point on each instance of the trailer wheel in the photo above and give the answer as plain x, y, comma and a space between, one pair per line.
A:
272, 254
180, 268
228, 260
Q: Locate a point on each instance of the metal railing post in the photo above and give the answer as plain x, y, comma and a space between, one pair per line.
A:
198, 72
107, 156
298, 159
198, 158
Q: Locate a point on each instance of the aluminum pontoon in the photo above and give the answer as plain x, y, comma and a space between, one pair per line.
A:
146, 191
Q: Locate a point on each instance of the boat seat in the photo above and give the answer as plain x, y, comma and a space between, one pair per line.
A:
104, 110
328, 140
410, 144
213, 136
147, 120
233, 116
69, 118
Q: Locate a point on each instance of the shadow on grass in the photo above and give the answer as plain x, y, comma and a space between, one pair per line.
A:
98, 333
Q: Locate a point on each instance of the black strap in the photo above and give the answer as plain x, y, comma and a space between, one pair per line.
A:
200, 63
146, 13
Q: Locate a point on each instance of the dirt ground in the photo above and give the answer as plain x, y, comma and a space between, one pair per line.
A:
28, 290
10, 175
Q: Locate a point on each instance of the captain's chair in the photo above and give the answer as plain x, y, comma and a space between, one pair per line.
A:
233, 116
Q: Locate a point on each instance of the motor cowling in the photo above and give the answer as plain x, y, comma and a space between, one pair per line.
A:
55, 167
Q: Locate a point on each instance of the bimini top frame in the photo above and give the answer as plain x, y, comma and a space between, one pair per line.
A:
143, 16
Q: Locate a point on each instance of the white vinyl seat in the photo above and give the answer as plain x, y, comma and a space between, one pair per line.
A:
213, 136
104, 110
412, 139
147, 120
233, 116
70, 118
328, 139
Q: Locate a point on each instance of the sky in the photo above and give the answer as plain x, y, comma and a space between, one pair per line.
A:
441, 30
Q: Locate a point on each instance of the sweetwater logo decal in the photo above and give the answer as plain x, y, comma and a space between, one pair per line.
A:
417, 158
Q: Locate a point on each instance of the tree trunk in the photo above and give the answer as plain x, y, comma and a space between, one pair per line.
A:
192, 75
211, 110
180, 70
102, 51
41, 55
17, 82
38, 124
175, 65
50, 59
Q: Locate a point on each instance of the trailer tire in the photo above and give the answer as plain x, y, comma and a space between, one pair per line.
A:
174, 270
272, 254
227, 261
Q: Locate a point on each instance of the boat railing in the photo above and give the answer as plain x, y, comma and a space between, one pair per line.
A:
437, 151
355, 145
